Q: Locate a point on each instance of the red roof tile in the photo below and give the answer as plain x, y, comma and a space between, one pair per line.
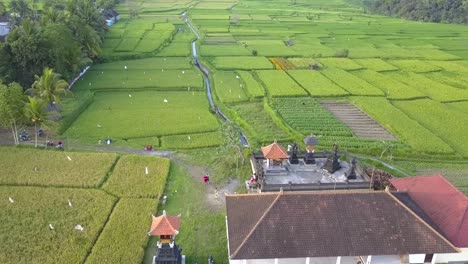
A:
442, 202
274, 151
165, 225
324, 224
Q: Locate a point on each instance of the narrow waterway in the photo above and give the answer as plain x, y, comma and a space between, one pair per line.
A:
206, 74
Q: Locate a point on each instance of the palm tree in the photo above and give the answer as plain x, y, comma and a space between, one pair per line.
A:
49, 87
35, 111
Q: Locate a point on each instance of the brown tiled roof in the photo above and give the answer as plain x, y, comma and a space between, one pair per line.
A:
442, 202
274, 151
324, 224
165, 225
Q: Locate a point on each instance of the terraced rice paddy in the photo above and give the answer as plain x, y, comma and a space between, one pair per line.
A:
63, 208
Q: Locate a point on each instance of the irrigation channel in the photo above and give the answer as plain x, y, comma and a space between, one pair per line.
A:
206, 74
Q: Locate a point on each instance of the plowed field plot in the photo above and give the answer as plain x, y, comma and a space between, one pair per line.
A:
360, 123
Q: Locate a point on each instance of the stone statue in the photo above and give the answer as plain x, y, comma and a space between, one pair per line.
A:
293, 158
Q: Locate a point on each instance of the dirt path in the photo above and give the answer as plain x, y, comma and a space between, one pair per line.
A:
214, 194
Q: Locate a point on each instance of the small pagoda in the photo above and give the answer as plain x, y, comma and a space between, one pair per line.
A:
166, 227
311, 142
274, 154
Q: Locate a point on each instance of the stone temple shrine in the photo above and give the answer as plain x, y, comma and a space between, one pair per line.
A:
276, 168
167, 251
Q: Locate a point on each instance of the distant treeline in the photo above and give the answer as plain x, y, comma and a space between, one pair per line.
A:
447, 11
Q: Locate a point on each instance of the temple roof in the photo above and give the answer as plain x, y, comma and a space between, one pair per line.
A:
274, 151
326, 224
442, 202
165, 225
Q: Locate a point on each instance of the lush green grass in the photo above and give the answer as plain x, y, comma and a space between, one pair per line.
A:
407, 129
138, 177
175, 49
27, 166
278, 83
441, 120
341, 63
224, 50
376, 64
253, 88
258, 122
153, 40
392, 88
192, 141
414, 66
435, 90
229, 87
124, 238
145, 64
26, 236
138, 79
451, 66
304, 62
317, 84
351, 83
241, 63
111, 114
127, 44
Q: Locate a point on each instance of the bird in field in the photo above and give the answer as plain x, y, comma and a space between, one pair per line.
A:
70, 204
51, 227
11, 200
68, 157
79, 227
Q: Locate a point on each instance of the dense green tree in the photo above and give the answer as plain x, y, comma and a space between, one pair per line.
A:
49, 87
36, 114
12, 102
22, 11
29, 51
2, 8
450, 11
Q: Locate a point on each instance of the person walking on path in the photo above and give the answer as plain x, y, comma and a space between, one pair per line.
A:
206, 179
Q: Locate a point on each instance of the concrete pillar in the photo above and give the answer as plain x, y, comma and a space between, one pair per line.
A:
368, 261
338, 260
307, 260
276, 261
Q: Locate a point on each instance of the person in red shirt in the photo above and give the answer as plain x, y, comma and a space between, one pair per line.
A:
206, 178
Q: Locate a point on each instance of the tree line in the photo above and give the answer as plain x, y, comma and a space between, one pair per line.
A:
42, 51
445, 11
65, 35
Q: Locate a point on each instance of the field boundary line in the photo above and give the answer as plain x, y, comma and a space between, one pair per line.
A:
109, 173
88, 253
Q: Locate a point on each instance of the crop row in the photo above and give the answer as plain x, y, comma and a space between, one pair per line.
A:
441, 120
407, 129
351, 83
147, 113
253, 88
392, 88
38, 224
229, 87
317, 84
278, 83
241, 63
124, 238
34, 167
433, 89
191, 141
307, 116
138, 177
